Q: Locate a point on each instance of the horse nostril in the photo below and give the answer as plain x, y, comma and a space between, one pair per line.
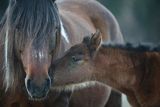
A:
29, 84
47, 84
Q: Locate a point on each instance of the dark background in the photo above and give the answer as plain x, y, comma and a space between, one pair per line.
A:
139, 19
3, 5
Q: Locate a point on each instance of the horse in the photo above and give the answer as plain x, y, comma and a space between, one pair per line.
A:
34, 33
133, 70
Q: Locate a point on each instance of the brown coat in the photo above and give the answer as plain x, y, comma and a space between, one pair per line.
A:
131, 70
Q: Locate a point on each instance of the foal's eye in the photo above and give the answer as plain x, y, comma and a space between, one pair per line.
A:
77, 59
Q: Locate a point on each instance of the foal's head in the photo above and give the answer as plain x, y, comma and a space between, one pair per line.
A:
76, 65
31, 35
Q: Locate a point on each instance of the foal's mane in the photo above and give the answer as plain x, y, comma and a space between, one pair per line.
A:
136, 48
25, 20
144, 47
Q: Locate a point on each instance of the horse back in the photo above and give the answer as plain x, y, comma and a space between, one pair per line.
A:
85, 17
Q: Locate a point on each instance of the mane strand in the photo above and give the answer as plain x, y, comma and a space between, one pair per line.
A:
133, 47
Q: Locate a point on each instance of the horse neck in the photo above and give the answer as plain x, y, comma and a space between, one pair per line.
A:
64, 40
118, 68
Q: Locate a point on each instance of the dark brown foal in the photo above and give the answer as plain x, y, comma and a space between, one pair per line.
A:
132, 70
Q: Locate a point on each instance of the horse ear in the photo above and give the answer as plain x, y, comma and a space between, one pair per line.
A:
95, 40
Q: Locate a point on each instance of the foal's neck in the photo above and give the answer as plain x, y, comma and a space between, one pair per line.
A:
119, 68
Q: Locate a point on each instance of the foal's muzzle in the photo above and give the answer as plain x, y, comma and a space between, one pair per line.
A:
38, 91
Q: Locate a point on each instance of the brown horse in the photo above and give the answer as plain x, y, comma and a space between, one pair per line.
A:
133, 70
33, 33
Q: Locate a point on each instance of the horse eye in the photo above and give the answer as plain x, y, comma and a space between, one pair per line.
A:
76, 59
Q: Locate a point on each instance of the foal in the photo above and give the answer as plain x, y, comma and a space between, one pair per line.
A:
132, 70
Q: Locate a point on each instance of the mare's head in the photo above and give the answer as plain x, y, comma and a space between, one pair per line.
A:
31, 38
76, 65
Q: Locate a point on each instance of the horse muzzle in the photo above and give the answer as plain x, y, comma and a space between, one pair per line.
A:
37, 92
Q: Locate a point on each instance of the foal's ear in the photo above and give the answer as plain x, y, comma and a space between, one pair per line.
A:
95, 40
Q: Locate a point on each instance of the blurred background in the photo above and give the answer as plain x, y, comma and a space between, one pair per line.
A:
139, 19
